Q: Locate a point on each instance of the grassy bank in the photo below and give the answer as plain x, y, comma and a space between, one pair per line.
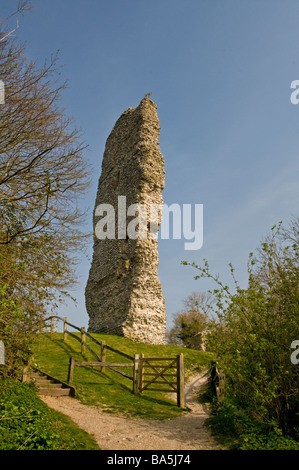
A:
109, 389
26, 422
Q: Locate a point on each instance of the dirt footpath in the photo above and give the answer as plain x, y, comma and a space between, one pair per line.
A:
115, 432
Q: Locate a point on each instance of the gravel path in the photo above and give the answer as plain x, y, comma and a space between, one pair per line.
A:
115, 432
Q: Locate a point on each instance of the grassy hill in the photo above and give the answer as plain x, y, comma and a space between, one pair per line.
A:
108, 389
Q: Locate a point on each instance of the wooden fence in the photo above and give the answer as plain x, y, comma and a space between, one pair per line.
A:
148, 373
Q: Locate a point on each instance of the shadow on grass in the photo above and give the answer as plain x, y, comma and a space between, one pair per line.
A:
69, 350
64, 345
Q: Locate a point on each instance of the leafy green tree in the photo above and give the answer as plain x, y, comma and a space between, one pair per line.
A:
192, 320
43, 176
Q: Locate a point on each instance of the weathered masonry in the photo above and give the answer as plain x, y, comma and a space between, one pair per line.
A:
123, 293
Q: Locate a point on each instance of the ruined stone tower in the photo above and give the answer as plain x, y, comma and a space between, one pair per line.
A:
123, 293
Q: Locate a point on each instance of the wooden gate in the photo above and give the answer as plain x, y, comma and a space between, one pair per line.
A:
163, 371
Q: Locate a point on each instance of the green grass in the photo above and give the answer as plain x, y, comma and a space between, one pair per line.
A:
108, 389
27, 423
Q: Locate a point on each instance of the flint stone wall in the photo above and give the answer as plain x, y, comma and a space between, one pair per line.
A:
123, 293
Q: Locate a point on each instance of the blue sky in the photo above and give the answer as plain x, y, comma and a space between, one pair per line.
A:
220, 73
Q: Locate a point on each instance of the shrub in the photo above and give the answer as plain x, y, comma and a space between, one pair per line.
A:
26, 422
253, 333
237, 431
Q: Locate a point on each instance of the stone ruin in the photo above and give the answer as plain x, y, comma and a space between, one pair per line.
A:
123, 292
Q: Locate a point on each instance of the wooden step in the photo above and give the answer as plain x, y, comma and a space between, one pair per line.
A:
50, 386
47, 385
54, 392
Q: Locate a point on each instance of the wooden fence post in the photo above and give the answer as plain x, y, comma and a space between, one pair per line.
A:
64, 328
180, 381
221, 385
103, 354
141, 372
83, 337
71, 369
135, 373
24, 373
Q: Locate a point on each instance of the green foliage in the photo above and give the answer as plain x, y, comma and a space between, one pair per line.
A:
253, 332
19, 317
234, 429
26, 423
